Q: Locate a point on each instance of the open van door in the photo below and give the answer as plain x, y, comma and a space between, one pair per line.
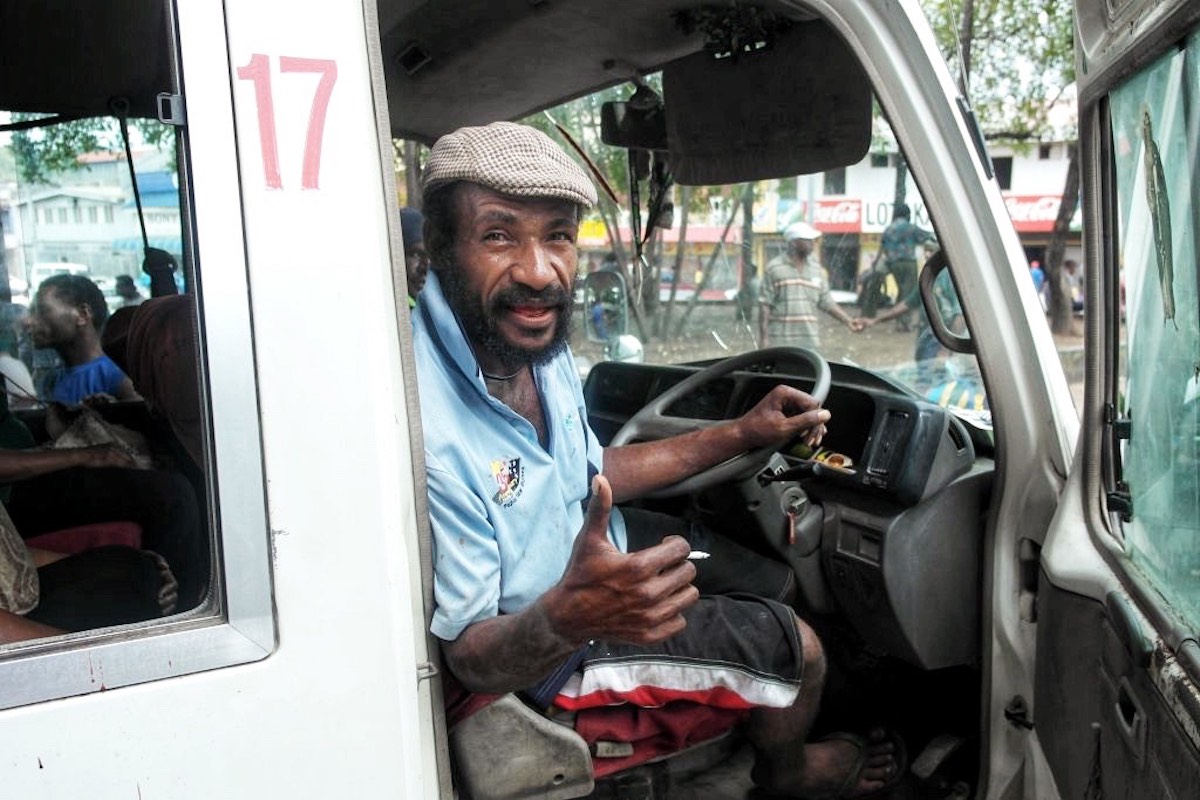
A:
274, 409
1116, 705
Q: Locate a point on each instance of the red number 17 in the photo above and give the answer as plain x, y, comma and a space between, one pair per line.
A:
258, 70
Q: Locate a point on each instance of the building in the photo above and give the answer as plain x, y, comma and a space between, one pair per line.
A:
89, 216
852, 205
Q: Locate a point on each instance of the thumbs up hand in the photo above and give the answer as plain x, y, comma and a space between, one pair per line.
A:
606, 594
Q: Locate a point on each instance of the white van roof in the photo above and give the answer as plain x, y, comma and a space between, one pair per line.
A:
48, 268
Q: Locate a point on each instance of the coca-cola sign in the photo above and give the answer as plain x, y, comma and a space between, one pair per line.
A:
1033, 213
838, 216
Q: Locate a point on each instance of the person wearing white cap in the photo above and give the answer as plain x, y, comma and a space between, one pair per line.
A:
541, 585
793, 289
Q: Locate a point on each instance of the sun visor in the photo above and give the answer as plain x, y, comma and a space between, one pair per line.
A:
68, 57
801, 106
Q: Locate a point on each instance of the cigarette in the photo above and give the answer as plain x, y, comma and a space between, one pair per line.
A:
697, 555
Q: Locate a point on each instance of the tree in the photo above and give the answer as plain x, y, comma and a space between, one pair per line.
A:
8, 166
408, 160
41, 151
45, 147
581, 120
1015, 60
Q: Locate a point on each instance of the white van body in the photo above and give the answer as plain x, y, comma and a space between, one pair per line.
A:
40, 271
330, 696
309, 672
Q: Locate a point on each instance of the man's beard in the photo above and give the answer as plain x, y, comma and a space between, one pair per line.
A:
479, 322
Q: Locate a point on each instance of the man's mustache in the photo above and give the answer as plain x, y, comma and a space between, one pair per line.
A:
517, 295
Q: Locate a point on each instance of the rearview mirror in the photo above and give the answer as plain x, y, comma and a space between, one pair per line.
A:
626, 125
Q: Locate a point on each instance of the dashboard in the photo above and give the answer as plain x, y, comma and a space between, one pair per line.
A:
891, 544
901, 448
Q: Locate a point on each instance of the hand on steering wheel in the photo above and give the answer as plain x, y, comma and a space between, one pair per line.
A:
652, 423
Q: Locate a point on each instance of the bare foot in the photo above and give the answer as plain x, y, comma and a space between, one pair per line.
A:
845, 766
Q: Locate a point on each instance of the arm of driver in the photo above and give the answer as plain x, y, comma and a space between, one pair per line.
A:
604, 594
637, 469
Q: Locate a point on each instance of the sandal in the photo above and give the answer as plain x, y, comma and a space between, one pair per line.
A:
846, 788
899, 753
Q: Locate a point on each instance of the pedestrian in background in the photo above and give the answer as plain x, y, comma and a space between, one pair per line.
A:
794, 288
898, 245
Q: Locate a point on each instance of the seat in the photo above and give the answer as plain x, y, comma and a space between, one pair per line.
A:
87, 537
507, 750
155, 344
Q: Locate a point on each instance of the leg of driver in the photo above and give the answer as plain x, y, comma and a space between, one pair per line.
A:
785, 764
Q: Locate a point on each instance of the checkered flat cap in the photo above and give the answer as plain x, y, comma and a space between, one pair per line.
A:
508, 158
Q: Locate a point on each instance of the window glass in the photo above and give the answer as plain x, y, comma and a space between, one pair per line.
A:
1155, 131
146, 494
716, 276
122, 535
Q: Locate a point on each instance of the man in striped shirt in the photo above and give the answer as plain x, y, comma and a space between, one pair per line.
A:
794, 288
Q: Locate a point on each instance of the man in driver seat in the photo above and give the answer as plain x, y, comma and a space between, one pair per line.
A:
541, 585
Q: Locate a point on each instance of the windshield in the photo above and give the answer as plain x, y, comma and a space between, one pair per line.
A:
828, 261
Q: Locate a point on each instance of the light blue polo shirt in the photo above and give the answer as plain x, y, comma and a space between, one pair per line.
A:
505, 511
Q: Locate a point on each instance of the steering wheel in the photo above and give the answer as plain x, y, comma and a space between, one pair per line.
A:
651, 423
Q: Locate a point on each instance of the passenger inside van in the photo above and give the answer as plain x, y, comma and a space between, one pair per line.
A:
96, 588
69, 312
88, 577
542, 586
155, 344
416, 260
54, 490
16, 628
19, 390
47, 490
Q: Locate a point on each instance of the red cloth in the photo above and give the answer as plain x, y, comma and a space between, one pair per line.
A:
87, 537
654, 732
650, 697
459, 703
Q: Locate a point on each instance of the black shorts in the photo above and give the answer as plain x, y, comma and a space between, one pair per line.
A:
741, 648
737, 652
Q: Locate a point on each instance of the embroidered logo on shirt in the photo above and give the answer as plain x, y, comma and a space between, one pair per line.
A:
508, 474
569, 429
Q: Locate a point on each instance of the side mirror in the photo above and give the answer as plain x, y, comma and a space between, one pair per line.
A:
605, 306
